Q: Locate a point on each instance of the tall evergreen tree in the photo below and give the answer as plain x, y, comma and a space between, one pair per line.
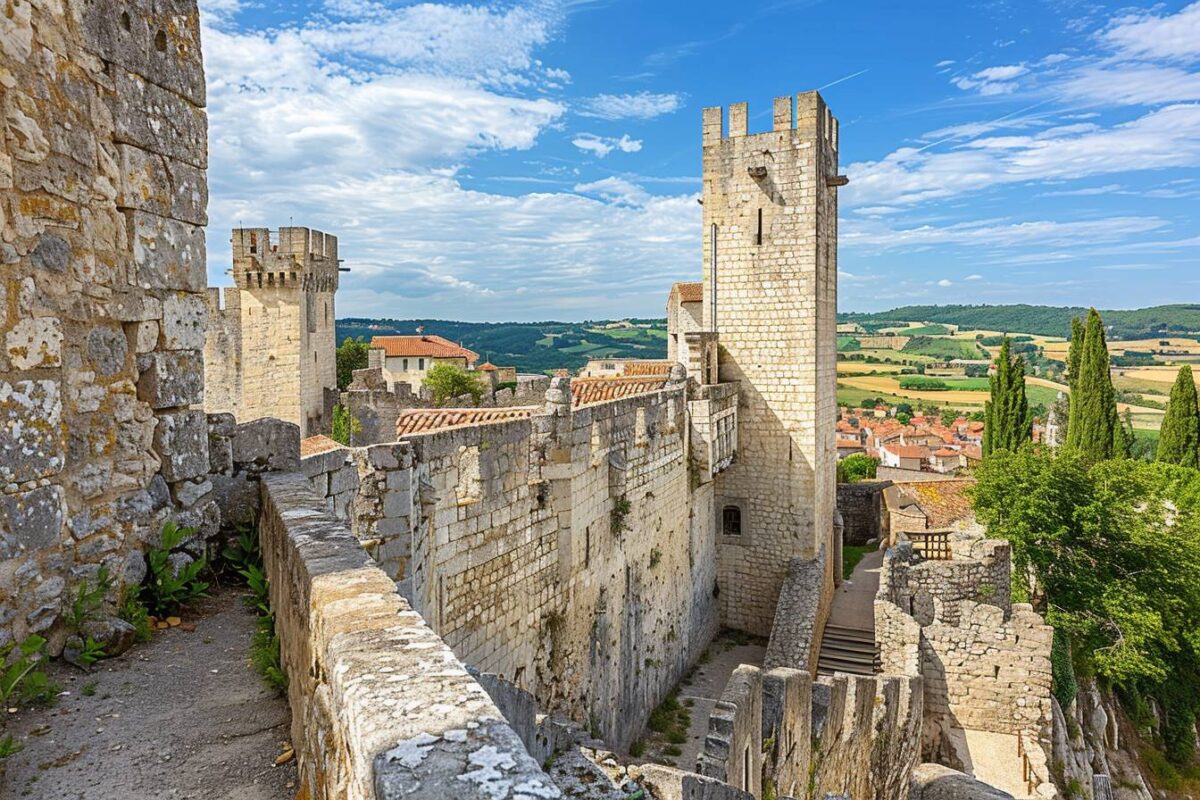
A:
1073, 356
1179, 441
1007, 420
1094, 426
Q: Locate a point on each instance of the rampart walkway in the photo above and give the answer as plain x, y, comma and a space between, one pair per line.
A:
848, 642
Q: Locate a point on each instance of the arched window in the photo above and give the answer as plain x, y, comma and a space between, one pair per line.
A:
731, 521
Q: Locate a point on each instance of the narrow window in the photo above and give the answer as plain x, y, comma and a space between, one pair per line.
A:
587, 546
731, 521
253, 242
421, 364
758, 234
404, 363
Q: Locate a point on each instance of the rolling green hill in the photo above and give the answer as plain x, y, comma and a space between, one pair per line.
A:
529, 346
1138, 323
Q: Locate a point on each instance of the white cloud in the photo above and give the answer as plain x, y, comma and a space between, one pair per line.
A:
643, 105
944, 63
945, 283
993, 80
1147, 35
600, 146
878, 238
973, 278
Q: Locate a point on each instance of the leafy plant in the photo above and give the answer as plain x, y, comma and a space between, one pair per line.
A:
244, 555
22, 680
92, 652
620, 510
448, 381
167, 588
88, 689
133, 611
88, 600
10, 746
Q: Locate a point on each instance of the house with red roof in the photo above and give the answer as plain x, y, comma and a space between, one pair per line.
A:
407, 359
903, 456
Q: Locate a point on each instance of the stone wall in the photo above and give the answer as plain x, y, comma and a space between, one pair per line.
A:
931, 590
102, 167
381, 708
862, 510
770, 210
734, 745
799, 616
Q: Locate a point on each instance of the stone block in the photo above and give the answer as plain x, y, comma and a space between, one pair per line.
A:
167, 253
162, 122
343, 480
52, 252
135, 306
170, 379
34, 519
185, 317
107, 350
161, 185
267, 444
35, 342
186, 493
181, 441
31, 438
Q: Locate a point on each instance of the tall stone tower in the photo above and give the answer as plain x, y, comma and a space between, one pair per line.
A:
770, 293
271, 346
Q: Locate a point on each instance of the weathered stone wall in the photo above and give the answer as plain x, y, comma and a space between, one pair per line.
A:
931, 590
798, 616
381, 708
334, 478
770, 292
862, 510
102, 167
734, 745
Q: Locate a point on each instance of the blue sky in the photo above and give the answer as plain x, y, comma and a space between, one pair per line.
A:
541, 160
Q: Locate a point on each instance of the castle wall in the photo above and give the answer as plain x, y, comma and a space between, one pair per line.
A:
102, 319
861, 505
770, 291
931, 590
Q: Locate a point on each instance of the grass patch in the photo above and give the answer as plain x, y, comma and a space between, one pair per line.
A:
851, 555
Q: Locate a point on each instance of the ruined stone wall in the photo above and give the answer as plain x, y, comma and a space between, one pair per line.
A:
102, 166
842, 736
931, 590
862, 507
770, 292
381, 708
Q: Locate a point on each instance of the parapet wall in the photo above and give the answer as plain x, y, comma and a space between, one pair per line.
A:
381, 708
862, 505
103, 203
932, 590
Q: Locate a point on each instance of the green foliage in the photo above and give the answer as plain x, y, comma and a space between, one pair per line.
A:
851, 555
88, 600
22, 681
943, 349
447, 381
857, 467
1179, 437
244, 556
344, 425
921, 383
620, 510
10, 747
1007, 422
848, 344
638, 748
91, 652
1093, 429
133, 611
167, 589
903, 417
1062, 671
88, 689
351, 354
1114, 547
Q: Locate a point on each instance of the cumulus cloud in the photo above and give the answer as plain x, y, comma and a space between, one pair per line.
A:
1150, 35
600, 146
993, 80
643, 105
945, 282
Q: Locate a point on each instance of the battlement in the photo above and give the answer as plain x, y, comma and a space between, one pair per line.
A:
301, 258
805, 112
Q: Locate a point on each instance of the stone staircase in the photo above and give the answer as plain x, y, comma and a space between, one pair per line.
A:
849, 650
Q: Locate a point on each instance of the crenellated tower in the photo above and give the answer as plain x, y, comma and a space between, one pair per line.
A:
770, 294
272, 351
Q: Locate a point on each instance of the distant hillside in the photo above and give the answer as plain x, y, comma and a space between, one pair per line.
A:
1043, 320
530, 346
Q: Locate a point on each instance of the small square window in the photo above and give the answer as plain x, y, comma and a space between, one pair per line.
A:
731, 521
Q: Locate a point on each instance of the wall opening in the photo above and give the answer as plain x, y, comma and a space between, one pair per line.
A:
746, 770
758, 234
731, 521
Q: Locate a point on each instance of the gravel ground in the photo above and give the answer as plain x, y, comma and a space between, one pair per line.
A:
183, 716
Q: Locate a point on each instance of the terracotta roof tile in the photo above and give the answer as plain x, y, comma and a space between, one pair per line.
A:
487, 366
317, 444
643, 368
422, 346
908, 450
586, 391
424, 420
689, 292
944, 502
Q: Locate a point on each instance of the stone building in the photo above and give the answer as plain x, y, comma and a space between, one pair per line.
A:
407, 359
271, 343
769, 319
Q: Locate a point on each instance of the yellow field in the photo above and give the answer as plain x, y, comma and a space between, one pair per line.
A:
859, 367
886, 385
1152, 417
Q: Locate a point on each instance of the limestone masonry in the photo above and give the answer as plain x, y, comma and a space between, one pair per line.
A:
477, 602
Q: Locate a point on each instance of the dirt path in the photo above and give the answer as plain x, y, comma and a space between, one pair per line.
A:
181, 717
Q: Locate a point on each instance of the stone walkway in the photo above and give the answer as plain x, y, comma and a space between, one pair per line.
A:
183, 717
704, 689
994, 760
848, 641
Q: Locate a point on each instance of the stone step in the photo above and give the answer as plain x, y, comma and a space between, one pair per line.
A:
856, 634
866, 662
848, 647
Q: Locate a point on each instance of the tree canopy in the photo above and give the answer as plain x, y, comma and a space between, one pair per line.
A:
1007, 420
1094, 429
351, 355
448, 381
1179, 439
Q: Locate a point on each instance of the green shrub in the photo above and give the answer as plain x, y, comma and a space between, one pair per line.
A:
1062, 672
133, 611
88, 600
166, 589
923, 384
857, 467
22, 681
9, 747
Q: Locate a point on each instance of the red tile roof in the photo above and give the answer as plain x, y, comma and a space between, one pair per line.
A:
944, 502
635, 368
586, 391
423, 420
317, 444
945, 452
908, 450
487, 366
689, 292
422, 346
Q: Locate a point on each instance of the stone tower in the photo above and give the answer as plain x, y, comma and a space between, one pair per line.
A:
271, 347
770, 294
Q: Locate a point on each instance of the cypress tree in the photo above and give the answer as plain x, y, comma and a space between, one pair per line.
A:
1179, 441
1073, 356
1006, 416
1094, 427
